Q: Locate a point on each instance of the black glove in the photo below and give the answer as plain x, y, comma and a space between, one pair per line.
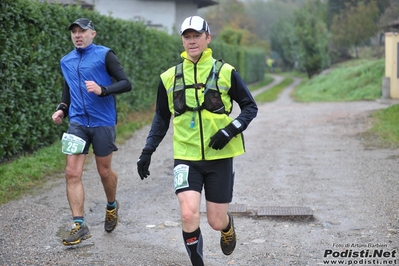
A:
143, 163
224, 135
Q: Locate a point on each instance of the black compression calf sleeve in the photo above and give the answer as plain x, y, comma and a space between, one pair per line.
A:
193, 242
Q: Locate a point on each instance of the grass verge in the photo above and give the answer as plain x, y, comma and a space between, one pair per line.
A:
271, 94
266, 81
351, 81
385, 127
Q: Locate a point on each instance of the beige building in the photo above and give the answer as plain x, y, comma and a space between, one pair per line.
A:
390, 83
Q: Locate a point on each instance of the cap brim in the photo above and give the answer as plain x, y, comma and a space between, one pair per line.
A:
199, 31
78, 24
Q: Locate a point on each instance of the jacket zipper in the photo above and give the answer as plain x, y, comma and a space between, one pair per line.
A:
199, 116
81, 91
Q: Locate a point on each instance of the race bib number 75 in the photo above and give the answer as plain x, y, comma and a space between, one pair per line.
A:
72, 144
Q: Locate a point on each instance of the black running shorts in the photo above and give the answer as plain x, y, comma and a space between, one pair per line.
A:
216, 177
102, 138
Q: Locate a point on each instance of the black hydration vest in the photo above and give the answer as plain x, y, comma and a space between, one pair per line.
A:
212, 95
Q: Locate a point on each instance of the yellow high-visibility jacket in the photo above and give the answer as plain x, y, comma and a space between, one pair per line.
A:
194, 127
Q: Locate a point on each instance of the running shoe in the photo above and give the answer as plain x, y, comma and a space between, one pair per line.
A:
228, 239
77, 234
111, 218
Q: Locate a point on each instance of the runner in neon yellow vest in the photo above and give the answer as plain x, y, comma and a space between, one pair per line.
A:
199, 95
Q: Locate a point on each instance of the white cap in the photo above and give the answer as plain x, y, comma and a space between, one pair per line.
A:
195, 23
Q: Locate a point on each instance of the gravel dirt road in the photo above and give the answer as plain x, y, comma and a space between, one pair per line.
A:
310, 155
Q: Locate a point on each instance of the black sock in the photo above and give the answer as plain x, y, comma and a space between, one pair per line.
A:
228, 226
193, 243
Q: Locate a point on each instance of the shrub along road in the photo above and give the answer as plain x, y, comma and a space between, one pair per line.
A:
308, 155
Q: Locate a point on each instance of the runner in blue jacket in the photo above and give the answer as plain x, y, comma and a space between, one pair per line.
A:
93, 75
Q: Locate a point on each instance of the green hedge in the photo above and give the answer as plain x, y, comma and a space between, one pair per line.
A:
34, 37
